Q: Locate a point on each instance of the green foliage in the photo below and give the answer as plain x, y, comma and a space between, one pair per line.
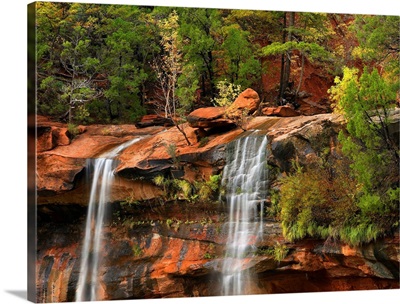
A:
172, 152
203, 142
169, 222
159, 180
366, 104
86, 51
214, 182
173, 223
354, 198
185, 188
227, 93
278, 251
187, 86
199, 31
378, 38
318, 201
317, 204
313, 50
163, 182
137, 251
338, 91
259, 24
73, 129
274, 209
356, 235
206, 190
240, 56
82, 114
198, 191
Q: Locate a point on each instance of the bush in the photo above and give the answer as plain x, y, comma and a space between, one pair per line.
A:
207, 189
227, 93
278, 251
326, 201
73, 129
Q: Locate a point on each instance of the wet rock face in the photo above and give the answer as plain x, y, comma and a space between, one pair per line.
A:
303, 139
142, 256
166, 251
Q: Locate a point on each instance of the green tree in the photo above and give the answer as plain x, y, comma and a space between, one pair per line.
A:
241, 65
306, 35
168, 68
379, 41
93, 60
367, 105
68, 63
80, 67
199, 32
129, 44
262, 26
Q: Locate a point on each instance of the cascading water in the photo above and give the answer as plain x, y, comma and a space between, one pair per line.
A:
245, 178
103, 176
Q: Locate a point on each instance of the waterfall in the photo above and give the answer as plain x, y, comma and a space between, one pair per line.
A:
103, 176
245, 178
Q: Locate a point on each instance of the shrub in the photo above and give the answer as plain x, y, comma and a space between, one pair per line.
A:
73, 129
278, 251
321, 202
137, 251
184, 187
227, 93
203, 142
207, 189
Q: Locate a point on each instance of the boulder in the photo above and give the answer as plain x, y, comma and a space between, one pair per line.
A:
61, 136
154, 120
56, 173
149, 157
281, 111
49, 137
208, 118
44, 140
248, 100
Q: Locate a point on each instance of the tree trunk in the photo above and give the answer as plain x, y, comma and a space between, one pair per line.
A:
286, 60
180, 129
280, 96
301, 74
211, 74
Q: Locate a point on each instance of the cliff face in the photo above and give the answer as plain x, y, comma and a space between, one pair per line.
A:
155, 246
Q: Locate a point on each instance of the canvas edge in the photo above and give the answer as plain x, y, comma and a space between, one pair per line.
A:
31, 145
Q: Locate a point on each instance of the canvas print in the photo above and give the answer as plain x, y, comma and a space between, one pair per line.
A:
191, 152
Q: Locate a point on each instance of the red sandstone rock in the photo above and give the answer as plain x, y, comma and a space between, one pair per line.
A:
44, 140
208, 118
154, 120
172, 259
60, 160
57, 173
281, 111
61, 136
247, 100
149, 157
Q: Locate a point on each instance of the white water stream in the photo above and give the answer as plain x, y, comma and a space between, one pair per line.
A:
103, 176
245, 177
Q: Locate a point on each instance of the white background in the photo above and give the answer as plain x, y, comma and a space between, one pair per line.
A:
13, 215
